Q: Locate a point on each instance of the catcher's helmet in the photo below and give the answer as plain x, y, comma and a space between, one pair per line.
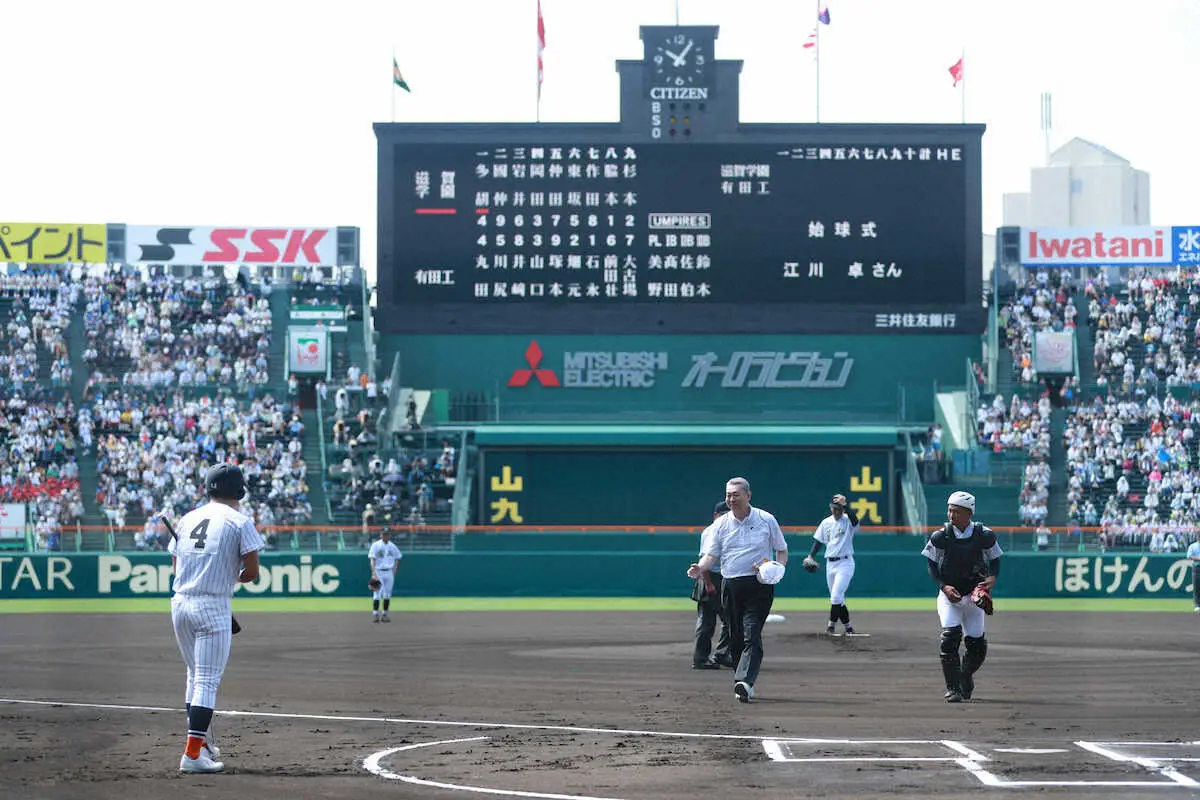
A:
225, 481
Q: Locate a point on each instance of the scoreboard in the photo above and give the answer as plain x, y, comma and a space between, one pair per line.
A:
561, 236
679, 218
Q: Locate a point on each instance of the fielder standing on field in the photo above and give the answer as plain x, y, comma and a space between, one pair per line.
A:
743, 541
385, 557
1193, 554
216, 550
836, 532
964, 562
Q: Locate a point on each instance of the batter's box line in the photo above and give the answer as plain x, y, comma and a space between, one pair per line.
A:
973, 762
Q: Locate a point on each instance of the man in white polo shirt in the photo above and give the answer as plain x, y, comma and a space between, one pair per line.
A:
743, 540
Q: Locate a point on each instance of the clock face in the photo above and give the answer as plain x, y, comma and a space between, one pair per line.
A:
679, 60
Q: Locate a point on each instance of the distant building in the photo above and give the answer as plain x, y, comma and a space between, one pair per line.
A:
1083, 185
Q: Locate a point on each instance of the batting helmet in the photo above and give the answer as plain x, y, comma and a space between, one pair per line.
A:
225, 481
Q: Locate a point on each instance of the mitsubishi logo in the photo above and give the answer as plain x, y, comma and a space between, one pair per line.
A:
546, 377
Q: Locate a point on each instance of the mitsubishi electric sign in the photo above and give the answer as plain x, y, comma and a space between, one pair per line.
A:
644, 369
590, 369
1118, 246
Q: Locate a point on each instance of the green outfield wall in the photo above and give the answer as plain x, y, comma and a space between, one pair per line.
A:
582, 574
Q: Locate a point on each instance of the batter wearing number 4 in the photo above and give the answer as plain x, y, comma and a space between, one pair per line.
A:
836, 532
216, 550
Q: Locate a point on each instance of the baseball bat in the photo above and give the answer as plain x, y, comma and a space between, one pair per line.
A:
162, 517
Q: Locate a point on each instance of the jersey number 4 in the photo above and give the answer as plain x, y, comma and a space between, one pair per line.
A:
200, 534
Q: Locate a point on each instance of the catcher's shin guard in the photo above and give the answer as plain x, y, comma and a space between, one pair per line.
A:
844, 613
976, 653
951, 666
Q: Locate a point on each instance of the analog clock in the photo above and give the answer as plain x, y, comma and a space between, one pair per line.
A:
679, 60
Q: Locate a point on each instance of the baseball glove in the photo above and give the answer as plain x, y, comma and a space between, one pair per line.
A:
982, 597
235, 626
810, 564
374, 584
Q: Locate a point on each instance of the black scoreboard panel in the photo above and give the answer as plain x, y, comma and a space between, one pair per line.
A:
549, 236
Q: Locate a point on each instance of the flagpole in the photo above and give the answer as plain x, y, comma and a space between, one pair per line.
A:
818, 54
963, 61
393, 83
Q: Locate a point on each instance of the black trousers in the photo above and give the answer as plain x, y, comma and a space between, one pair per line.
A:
747, 604
708, 611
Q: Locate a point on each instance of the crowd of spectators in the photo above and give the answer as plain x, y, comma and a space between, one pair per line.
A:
38, 438
1044, 302
38, 449
1146, 330
161, 331
154, 447
368, 477
1131, 464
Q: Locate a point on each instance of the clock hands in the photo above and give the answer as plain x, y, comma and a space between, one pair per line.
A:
679, 61
681, 58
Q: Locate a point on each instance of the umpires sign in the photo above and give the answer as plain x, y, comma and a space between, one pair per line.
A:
308, 349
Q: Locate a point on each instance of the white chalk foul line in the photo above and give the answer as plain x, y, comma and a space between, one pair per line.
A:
1154, 765
403, 721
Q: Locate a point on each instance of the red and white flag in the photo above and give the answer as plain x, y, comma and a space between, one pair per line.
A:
541, 47
956, 72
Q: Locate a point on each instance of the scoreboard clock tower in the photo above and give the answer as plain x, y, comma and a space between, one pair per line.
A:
679, 214
679, 80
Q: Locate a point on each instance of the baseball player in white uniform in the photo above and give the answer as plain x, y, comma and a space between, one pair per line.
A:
385, 557
216, 550
836, 532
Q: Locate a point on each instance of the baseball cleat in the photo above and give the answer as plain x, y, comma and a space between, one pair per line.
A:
954, 696
374, 619
385, 618
706, 665
211, 750
829, 629
743, 691
849, 630
201, 764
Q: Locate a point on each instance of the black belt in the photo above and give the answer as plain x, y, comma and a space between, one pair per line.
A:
838, 558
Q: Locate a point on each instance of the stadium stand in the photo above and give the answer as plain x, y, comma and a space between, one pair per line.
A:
38, 435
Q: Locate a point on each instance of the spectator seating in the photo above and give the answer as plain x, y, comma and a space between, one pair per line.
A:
153, 449
377, 482
162, 331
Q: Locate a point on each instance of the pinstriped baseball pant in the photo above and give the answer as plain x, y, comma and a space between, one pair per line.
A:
203, 630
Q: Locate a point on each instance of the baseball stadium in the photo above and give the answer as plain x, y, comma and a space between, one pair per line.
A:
559, 413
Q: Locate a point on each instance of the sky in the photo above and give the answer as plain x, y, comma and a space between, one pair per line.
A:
260, 112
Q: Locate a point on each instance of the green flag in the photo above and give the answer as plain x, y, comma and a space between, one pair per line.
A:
397, 78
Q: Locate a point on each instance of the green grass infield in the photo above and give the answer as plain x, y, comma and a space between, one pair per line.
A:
305, 605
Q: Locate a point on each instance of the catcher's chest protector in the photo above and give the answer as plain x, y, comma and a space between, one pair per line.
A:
964, 564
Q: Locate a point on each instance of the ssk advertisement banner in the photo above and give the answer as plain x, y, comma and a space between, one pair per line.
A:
282, 246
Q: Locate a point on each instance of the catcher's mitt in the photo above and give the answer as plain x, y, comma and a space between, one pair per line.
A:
374, 584
810, 564
982, 597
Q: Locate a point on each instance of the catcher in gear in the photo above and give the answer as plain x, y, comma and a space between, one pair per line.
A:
385, 557
964, 562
